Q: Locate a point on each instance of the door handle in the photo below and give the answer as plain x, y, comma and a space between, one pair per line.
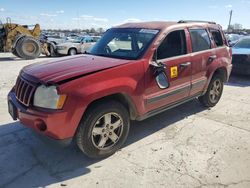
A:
185, 65
211, 58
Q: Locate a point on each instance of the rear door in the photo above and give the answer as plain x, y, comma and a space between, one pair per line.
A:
201, 57
173, 54
221, 47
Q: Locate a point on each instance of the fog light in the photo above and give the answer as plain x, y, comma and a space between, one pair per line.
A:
40, 125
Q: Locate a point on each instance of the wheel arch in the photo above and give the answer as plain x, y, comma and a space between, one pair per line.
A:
218, 71
122, 98
221, 71
72, 47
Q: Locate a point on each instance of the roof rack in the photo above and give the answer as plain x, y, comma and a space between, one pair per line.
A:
190, 21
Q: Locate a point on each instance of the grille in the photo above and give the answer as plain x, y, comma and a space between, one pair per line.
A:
241, 59
24, 91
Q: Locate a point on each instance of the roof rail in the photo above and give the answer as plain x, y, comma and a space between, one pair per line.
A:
199, 21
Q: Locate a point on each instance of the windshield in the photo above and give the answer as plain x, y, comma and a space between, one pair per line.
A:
233, 37
243, 43
124, 43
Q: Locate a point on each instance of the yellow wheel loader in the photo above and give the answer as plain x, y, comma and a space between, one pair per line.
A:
21, 41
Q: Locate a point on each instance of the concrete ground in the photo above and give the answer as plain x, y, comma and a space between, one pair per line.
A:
188, 146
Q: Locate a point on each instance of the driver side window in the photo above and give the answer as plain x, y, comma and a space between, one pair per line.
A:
173, 45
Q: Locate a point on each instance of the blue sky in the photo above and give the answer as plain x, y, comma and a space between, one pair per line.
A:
107, 13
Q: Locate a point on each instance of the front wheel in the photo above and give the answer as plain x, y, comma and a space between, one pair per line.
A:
213, 93
103, 130
72, 51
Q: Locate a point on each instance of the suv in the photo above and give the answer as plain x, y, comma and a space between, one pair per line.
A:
134, 71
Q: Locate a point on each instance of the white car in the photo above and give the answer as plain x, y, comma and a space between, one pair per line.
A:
56, 39
80, 45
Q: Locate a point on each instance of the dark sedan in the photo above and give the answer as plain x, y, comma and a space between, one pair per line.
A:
241, 56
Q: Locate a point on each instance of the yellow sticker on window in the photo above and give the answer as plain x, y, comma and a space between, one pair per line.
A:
174, 72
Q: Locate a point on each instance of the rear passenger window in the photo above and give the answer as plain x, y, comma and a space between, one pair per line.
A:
216, 34
173, 45
200, 40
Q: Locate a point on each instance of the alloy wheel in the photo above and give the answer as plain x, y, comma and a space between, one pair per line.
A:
107, 131
215, 91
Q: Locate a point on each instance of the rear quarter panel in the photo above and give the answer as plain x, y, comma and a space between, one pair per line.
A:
224, 60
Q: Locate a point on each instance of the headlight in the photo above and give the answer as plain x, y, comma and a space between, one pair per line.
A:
47, 97
61, 47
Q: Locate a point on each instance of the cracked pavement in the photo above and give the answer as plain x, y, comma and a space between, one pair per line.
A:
188, 146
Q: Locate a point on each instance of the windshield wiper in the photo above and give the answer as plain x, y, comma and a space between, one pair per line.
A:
113, 56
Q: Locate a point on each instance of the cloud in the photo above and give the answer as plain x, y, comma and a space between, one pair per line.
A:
101, 19
76, 19
90, 18
86, 17
2, 9
52, 14
48, 15
87, 21
129, 20
229, 6
60, 12
132, 20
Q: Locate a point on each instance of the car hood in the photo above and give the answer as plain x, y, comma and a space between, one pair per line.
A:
242, 51
70, 67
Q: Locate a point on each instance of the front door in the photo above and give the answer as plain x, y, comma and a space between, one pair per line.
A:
172, 53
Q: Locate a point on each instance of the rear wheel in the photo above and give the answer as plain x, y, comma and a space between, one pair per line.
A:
214, 92
103, 130
28, 48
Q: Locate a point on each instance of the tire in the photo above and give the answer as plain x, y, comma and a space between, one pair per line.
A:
14, 51
103, 130
72, 51
52, 50
213, 93
28, 48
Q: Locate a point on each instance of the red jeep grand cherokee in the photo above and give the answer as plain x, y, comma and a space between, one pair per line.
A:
135, 71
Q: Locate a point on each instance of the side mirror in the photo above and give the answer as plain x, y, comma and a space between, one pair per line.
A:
159, 72
162, 80
160, 75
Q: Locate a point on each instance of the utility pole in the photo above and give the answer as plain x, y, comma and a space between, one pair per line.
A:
230, 19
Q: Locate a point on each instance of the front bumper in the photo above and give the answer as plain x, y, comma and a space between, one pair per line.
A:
52, 124
63, 52
241, 64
